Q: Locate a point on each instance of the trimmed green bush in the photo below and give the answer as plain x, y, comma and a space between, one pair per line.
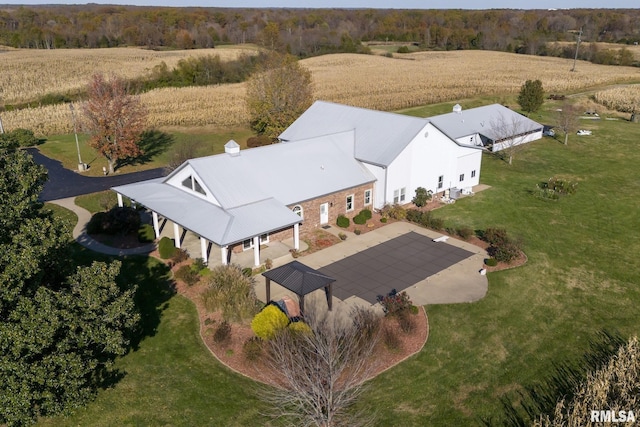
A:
342, 236
268, 322
491, 262
495, 236
403, 49
357, 231
383, 220
342, 221
359, 219
366, 213
422, 197
166, 248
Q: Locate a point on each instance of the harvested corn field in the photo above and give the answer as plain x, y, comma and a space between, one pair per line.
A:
625, 99
361, 80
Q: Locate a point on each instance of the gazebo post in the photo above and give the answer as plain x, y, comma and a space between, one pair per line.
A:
329, 295
268, 287
120, 202
301, 300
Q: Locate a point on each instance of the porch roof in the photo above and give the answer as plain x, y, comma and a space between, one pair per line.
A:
220, 226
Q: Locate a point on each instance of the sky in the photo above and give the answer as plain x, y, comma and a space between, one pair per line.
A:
362, 4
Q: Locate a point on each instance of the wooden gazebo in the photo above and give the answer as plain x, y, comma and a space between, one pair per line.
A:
299, 279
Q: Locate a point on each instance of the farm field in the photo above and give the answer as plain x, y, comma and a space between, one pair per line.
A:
482, 359
369, 81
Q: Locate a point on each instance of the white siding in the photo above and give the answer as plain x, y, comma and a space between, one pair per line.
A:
378, 186
175, 180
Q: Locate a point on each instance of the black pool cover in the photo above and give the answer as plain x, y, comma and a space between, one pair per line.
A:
395, 264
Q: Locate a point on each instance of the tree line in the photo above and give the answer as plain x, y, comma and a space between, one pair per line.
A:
308, 32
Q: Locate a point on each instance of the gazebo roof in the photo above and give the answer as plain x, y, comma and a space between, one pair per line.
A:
298, 278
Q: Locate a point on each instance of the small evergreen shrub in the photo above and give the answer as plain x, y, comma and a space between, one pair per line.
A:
422, 197
252, 349
359, 219
366, 213
491, 262
342, 236
247, 271
505, 252
342, 221
383, 220
269, 321
166, 248
222, 335
198, 265
188, 275
357, 231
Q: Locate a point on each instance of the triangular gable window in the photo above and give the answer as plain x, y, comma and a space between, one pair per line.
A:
192, 184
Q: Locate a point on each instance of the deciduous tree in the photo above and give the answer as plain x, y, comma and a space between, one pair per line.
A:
509, 134
59, 330
277, 94
531, 96
114, 118
567, 120
322, 372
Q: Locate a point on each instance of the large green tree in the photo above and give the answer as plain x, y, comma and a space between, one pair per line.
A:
531, 96
277, 94
59, 329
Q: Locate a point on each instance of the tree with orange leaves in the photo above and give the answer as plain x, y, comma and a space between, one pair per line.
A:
114, 118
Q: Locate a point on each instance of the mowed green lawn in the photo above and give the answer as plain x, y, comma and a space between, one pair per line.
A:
481, 359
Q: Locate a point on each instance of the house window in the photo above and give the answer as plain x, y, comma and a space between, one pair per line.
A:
297, 209
350, 202
264, 239
461, 177
367, 197
400, 195
473, 174
192, 184
440, 181
247, 244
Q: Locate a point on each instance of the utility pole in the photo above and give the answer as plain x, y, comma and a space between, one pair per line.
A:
81, 166
575, 58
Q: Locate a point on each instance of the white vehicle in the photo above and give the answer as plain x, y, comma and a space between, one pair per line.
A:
584, 132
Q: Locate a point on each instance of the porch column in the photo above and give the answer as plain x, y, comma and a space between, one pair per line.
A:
223, 253
256, 251
203, 248
296, 236
176, 233
156, 225
120, 203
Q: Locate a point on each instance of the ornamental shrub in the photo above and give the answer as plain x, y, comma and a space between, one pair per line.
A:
505, 252
359, 219
188, 275
403, 49
357, 231
366, 213
179, 255
342, 236
422, 197
252, 349
222, 335
146, 234
491, 262
383, 220
166, 248
231, 292
268, 322
495, 236
300, 328
464, 232
394, 211
395, 303
342, 221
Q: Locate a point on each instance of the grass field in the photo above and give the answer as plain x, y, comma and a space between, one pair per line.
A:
369, 81
482, 359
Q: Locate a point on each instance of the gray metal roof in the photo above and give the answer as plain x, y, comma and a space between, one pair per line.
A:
379, 136
481, 120
298, 278
215, 224
288, 172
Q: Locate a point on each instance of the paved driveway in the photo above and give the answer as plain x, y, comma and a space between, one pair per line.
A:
64, 183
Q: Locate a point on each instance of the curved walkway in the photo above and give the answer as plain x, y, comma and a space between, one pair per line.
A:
80, 232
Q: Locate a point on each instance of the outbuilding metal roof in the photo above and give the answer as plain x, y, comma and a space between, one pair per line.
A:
379, 136
484, 121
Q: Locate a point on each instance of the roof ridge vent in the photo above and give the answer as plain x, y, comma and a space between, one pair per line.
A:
232, 148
